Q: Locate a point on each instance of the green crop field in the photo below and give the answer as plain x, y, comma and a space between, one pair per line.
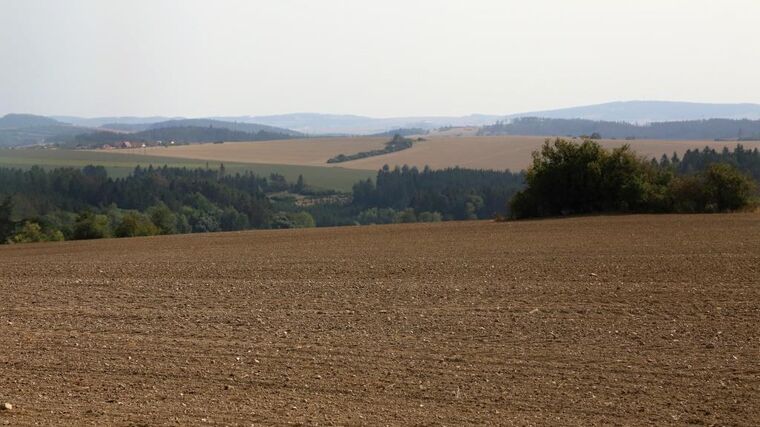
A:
121, 165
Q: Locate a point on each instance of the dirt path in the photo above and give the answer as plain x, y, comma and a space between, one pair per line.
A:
607, 320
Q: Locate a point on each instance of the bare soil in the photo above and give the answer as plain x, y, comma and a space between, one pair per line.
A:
623, 320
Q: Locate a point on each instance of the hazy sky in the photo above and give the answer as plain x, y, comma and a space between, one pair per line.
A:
381, 57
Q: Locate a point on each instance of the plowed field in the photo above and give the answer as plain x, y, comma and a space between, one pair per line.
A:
601, 320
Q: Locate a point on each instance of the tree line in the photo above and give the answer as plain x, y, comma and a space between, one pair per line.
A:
710, 129
69, 203
178, 134
452, 193
398, 143
693, 161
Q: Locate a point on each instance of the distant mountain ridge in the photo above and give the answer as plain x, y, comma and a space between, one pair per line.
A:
638, 112
346, 124
95, 122
18, 121
703, 129
28, 129
231, 125
642, 112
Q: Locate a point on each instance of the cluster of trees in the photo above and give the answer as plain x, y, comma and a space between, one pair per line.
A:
405, 194
86, 203
693, 129
578, 178
747, 161
452, 193
398, 143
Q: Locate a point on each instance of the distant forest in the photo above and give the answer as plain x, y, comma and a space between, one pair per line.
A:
453, 193
181, 135
69, 203
712, 129
694, 161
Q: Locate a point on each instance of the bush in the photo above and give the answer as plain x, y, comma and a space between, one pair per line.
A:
59, 220
301, 219
232, 220
32, 232
687, 194
134, 224
727, 188
429, 217
163, 218
91, 226
406, 216
377, 216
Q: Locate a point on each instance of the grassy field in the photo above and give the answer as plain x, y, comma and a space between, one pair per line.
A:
120, 164
486, 152
622, 320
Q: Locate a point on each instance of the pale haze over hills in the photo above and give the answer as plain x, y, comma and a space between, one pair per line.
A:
317, 123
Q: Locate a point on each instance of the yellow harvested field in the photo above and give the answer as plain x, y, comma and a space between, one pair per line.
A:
310, 152
507, 152
480, 152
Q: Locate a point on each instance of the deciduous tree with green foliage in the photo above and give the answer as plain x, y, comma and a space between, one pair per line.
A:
571, 178
32, 232
135, 224
91, 226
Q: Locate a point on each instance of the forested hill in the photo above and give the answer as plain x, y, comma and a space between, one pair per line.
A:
16, 121
710, 129
181, 135
183, 123
27, 129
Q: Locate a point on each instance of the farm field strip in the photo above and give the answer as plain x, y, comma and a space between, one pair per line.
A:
477, 152
583, 321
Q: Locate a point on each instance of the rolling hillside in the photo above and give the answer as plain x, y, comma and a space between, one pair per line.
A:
28, 129
201, 123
